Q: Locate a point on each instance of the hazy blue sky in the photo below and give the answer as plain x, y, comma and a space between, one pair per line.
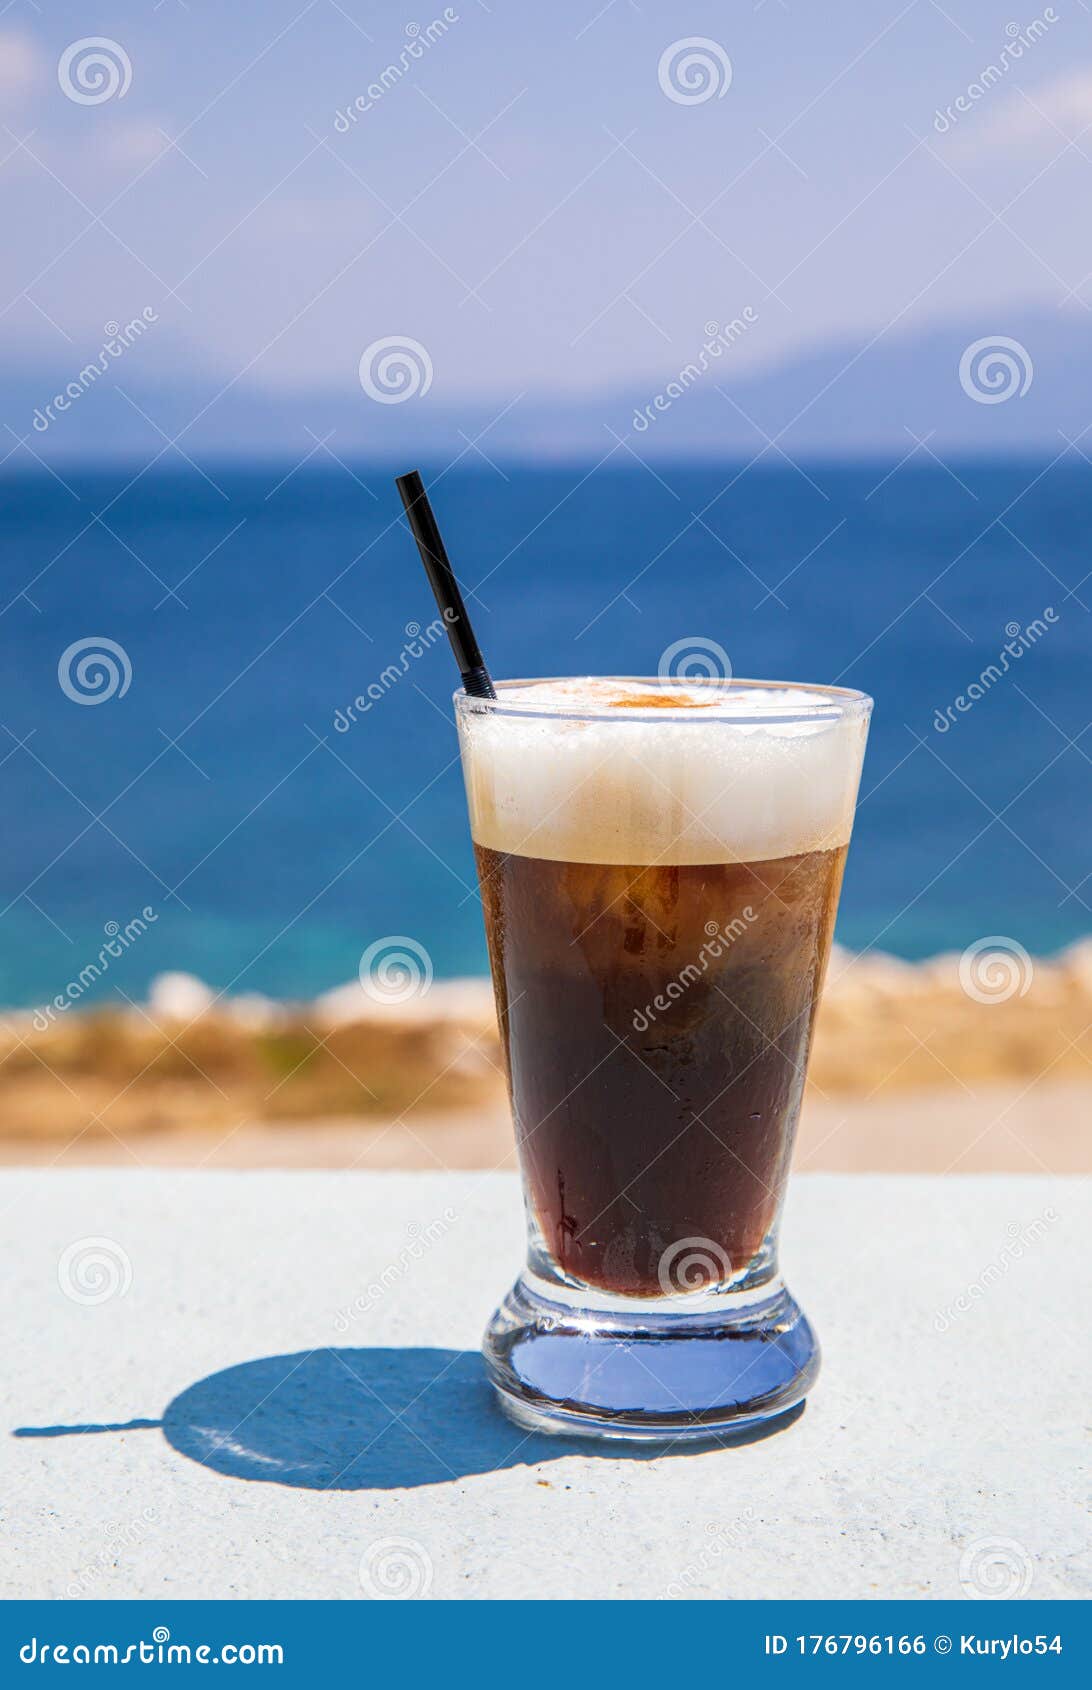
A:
560, 250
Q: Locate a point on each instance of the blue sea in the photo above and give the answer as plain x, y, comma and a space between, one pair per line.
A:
252, 605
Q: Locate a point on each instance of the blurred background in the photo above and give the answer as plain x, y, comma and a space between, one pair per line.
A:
769, 341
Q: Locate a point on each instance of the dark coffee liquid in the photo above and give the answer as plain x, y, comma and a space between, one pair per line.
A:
656, 1024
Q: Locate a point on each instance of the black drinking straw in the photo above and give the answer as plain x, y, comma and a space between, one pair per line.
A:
444, 585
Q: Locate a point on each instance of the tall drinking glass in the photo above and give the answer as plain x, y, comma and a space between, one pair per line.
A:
660, 865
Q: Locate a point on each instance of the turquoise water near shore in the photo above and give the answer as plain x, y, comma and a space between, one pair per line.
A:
276, 839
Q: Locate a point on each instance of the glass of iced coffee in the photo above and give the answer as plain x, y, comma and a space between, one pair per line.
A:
660, 863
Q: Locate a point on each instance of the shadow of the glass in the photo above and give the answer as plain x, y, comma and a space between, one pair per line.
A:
370, 1419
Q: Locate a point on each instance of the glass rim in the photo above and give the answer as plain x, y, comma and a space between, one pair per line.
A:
824, 703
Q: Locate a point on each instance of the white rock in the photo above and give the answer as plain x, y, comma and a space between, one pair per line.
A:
871, 973
179, 997
1076, 960
254, 1012
444, 1000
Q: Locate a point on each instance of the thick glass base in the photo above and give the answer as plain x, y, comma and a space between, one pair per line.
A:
652, 1369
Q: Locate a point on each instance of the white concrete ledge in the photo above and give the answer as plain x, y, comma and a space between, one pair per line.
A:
941, 1444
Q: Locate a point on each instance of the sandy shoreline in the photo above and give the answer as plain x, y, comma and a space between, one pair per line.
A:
975, 1062
1036, 1129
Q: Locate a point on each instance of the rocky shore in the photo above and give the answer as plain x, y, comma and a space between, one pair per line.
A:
190, 1062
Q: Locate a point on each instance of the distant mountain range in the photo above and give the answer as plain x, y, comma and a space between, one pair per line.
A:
870, 397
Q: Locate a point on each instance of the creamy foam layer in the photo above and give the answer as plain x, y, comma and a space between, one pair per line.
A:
661, 773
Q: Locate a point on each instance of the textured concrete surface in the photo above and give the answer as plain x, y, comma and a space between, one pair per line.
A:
266, 1384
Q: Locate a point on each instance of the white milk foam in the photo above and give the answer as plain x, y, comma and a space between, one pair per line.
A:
687, 778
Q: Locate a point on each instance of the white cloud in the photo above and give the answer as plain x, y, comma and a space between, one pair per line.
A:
22, 66
133, 143
1034, 120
